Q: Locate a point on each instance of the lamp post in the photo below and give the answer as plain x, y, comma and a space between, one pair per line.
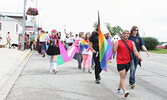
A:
22, 42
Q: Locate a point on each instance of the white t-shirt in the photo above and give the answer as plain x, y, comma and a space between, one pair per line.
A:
70, 40
86, 52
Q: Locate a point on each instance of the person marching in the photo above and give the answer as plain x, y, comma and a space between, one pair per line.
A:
123, 48
78, 55
86, 52
53, 50
31, 40
135, 37
43, 42
94, 46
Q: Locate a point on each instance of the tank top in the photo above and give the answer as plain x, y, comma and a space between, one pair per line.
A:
123, 55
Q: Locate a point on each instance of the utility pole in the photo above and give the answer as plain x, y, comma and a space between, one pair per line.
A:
22, 42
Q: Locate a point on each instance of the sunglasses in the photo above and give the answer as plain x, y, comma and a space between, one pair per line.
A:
135, 30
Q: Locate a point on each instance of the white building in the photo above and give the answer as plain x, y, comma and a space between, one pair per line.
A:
11, 25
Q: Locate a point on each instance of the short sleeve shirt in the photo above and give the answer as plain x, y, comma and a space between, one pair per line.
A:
138, 42
94, 38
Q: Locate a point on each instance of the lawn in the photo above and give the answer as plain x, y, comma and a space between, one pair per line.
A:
158, 50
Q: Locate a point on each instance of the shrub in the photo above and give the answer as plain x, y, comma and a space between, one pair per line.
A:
150, 42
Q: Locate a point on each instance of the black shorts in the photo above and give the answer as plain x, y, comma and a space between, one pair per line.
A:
123, 66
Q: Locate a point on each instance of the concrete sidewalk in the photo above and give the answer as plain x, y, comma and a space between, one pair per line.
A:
10, 61
70, 83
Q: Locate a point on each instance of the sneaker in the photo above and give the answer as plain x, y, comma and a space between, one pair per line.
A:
120, 92
97, 81
132, 86
126, 94
89, 70
93, 67
55, 71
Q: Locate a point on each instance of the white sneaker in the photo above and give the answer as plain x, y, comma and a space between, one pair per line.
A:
126, 93
89, 70
120, 92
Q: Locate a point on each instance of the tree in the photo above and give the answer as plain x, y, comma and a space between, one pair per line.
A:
116, 29
112, 30
95, 25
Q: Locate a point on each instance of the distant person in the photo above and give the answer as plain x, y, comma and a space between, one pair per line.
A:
59, 35
31, 39
8, 38
78, 55
70, 40
76, 36
135, 37
43, 40
53, 50
123, 48
115, 38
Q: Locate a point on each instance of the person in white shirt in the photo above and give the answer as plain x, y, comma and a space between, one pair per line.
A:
86, 53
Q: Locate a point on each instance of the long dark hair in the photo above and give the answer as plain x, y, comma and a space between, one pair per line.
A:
86, 38
133, 29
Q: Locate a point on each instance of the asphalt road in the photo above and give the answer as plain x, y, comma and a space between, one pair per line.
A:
70, 83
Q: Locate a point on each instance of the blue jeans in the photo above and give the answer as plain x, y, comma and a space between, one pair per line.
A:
133, 68
93, 63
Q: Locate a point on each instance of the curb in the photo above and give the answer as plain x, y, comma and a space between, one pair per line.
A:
25, 55
9, 80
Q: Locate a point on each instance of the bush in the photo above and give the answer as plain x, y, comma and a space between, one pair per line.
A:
150, 42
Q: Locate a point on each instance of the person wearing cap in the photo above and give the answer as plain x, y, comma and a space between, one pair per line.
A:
53, 50
135, 37
123, 48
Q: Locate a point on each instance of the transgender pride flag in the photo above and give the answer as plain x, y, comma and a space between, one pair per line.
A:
43, 37
105, 48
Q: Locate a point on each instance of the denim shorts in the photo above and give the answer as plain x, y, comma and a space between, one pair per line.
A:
123, 66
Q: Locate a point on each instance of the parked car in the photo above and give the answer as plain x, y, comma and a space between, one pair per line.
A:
163, 46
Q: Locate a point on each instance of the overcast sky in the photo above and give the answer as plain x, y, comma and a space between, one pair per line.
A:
79, 15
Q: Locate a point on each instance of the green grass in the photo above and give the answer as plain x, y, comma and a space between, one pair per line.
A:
159, 51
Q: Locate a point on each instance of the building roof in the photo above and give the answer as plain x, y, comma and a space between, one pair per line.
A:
7, 19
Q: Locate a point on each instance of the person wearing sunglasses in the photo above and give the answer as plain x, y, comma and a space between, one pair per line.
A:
135, 37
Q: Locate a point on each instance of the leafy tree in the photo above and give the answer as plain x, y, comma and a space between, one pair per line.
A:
112, 30
150, 42
116, 29
95, 25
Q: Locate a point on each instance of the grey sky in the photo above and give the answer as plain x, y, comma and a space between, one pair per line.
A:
79, 15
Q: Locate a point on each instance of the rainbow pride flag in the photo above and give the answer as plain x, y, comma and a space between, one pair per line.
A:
105, 49
43, 37
84, 44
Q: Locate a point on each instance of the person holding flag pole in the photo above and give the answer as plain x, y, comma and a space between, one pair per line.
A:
102, 51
